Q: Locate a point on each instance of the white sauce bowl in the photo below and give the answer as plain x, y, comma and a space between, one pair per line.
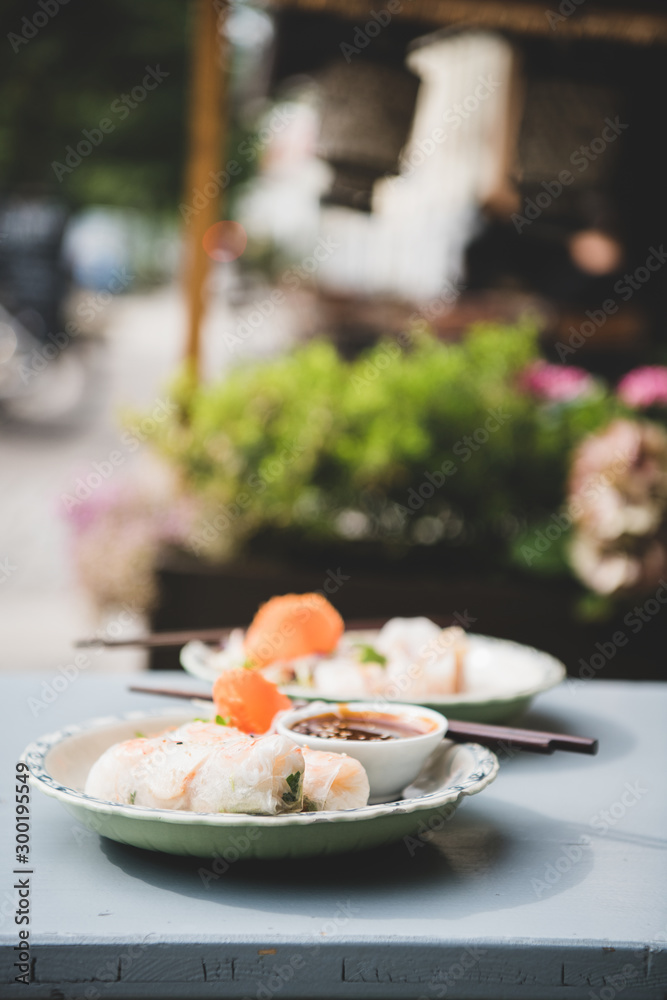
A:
392, 764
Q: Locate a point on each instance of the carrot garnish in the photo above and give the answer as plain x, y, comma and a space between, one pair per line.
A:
247, 701
290, 626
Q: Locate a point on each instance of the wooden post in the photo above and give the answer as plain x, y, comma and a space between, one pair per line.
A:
206, 129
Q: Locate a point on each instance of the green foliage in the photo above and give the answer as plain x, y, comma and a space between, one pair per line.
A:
72, 72
65, 76
430, 443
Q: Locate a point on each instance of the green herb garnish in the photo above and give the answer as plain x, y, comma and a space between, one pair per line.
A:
140, 736
133, 796
294, 782
222, 721
368, 654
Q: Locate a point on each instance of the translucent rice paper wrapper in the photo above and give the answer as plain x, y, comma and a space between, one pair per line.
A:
333, 781
200, 768
423, 660
338, 677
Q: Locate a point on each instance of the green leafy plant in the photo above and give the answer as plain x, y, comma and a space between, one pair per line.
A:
424, 443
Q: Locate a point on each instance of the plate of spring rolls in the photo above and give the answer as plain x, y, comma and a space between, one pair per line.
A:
299, 642
186, 786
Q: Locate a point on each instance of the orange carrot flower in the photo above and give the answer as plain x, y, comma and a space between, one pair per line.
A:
290, 626
247, 701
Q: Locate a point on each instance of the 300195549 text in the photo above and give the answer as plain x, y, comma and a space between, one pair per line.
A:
22, 883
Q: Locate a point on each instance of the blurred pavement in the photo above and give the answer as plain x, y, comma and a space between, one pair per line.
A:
42, 607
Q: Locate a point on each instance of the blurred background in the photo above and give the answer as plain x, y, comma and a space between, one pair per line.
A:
361, 298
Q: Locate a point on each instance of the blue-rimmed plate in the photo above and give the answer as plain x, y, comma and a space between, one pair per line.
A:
59, 764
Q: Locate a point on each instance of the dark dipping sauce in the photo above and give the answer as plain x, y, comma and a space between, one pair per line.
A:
362, 726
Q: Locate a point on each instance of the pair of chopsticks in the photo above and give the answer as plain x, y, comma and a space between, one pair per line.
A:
503, 738
160, 639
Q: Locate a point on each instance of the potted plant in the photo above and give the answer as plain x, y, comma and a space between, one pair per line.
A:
419, 478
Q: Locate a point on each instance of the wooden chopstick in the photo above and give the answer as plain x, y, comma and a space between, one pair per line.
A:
172, 692
507, 737
156, 639
500, 737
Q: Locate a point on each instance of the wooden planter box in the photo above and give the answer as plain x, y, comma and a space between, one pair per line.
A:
193, 595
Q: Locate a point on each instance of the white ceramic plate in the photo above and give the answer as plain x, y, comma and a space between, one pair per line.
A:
503, 678
59, 764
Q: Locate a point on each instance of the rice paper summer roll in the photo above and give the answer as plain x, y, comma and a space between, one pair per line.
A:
333, 781
200, 731
261, 775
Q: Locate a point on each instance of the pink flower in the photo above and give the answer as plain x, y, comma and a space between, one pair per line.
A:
646, 386
119, 530
617, 500
556, 383
628, 457
85, 510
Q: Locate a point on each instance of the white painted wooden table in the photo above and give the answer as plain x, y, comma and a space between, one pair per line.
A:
552, 883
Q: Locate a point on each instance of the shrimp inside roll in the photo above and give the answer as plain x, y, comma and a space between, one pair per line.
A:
202, 773
206, 767
333, 781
